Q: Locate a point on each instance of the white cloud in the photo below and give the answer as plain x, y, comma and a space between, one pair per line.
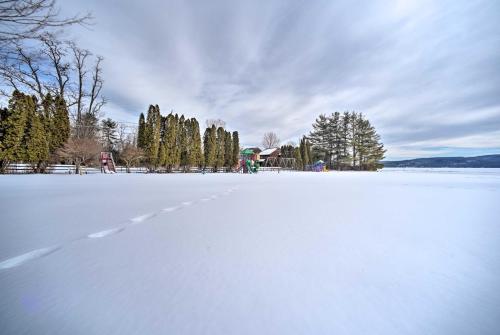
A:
425, 73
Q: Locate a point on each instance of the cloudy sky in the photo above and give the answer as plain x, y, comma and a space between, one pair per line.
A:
426, 73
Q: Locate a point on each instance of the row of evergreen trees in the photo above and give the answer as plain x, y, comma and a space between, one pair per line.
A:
32, 131
173, 141
302, 154
347, 142
221, 149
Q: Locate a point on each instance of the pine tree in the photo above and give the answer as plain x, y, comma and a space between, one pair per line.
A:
13, 128
335, 139
357, 140
109, 135
236, 148
348, 140
228, 150
141, 132
345, 141
370, 150
321, 139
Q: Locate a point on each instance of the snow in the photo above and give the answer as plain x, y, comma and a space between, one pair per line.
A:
401, 251
267, 152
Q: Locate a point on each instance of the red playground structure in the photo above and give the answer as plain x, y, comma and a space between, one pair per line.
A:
107, 163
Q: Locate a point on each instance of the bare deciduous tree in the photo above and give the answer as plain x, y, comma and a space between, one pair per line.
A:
80, 151
130, 155
59, 68
270, 140
56, 51
28, 19
215, 122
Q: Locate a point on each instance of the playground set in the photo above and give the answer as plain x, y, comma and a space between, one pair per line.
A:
107, 163
319, 166
248, 161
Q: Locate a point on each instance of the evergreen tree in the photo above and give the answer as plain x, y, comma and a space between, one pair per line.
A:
228, 150
177, 148
304, 152
184, 141
61, 132
141, 132
345, 142
219, 162
236, 148
287, 151
321, 139
36, 145
354, 121
309, 152
13, 129
170, 141
152, 136
210, 146
299, 164
335, 139
195, 153
109, 136
4, 112
162, 151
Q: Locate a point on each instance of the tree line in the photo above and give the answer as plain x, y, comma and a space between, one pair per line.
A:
301, 153
32, 132
173, 142
346, 141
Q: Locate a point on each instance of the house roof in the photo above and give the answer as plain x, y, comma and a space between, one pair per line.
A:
268, 151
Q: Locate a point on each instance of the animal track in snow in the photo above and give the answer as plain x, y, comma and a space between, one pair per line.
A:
18, 260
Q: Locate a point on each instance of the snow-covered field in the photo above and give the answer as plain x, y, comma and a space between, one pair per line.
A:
393, 252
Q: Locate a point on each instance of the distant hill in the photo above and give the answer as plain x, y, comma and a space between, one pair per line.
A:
487, 161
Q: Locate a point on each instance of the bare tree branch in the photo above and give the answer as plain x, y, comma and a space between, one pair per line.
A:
270, 140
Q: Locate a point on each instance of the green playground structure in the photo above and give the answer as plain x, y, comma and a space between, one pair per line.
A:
248, 162
251, 166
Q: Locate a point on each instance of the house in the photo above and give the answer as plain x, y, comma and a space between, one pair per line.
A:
271, 152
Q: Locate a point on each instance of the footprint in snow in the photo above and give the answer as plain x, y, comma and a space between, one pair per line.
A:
141, 218
105, 233
18, 260
170, 209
